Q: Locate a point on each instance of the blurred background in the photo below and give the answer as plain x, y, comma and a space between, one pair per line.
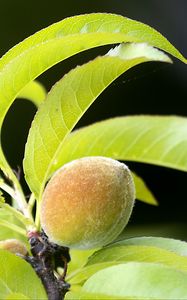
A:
152, 88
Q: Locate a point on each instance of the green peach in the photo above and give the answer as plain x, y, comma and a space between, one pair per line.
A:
14, 246
87, 203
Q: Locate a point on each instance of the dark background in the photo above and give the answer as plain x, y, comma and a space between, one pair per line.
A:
152, 88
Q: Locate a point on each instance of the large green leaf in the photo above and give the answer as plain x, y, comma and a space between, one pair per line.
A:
139, 280
17, 276
159, 140
164, 250
16, 296
150, 139
84, 32
33, 56
127, 253
82, 295
68, 101
139, 253
80, 258
173, 245
81, 275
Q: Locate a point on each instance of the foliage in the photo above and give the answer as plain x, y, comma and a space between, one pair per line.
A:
17, 276
117, 270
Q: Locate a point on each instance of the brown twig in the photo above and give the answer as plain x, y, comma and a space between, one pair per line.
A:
45, 260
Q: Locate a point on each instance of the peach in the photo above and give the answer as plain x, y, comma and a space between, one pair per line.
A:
14, 246
87, 203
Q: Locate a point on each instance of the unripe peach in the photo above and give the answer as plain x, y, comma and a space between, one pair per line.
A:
14, 246
87, 202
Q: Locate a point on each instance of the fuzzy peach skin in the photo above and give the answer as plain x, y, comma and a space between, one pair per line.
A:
87, 203
14, 246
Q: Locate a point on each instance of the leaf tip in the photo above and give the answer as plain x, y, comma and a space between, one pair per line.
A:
135, 50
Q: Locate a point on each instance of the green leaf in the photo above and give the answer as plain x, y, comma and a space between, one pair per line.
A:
173, 245
81, 295
17, 276
16, 296
150, 139
68, 101
33, 91
142, 191
118, 254
78, 259
159, 140
139, 253
7, 232
12, 227
140, 280
16, 213
26, 61
88, 31
82, 274
39, 52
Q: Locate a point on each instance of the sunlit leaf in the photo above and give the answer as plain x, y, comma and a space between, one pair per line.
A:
116, 254
80, 275
78, 259
150, 139
173, 245
81, 295
33, 91
140, 280
16, 296
159, 140
6, 232
68, 101
26, 61
142, 191
17, 276
139, 253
